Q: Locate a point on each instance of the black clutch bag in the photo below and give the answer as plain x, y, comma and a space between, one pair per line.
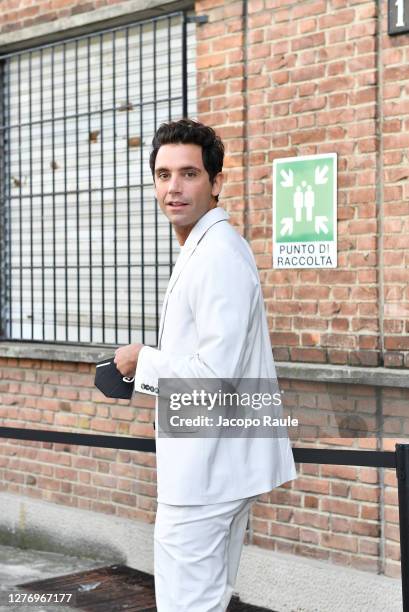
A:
110, 381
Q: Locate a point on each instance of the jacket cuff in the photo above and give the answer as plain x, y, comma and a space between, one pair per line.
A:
146, 380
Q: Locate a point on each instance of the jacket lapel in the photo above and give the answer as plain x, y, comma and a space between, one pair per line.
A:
175, 275
215, 215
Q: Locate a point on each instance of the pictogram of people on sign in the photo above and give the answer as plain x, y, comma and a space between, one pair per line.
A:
304, 198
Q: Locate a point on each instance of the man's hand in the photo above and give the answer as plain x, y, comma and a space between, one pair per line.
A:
126, 358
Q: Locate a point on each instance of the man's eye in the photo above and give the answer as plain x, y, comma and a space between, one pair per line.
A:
190, 174
163, 175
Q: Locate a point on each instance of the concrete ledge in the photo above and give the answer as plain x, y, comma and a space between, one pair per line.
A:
278, 581
77, 353
77, 25
378, 377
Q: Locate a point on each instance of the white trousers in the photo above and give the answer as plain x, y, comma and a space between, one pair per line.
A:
197, 553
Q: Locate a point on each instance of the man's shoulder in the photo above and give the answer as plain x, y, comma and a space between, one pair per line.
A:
222, 236
222, 247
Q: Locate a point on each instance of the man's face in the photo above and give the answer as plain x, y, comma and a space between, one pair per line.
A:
182, 185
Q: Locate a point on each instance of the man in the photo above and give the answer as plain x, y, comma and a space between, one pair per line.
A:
213, 325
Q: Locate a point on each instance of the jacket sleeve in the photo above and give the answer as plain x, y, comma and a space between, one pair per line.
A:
222, 297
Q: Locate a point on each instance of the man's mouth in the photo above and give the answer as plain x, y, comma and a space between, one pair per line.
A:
177, 204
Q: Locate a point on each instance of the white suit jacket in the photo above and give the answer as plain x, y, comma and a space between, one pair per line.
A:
213, 325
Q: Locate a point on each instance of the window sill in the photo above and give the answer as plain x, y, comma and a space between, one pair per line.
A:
74, 353
82, 353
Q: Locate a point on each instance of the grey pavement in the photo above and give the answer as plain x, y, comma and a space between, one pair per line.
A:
18, 566
263, 579
267, 578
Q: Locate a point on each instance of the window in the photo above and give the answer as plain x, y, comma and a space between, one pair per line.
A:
85, 254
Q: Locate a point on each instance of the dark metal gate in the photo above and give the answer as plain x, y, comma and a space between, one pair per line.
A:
85, 256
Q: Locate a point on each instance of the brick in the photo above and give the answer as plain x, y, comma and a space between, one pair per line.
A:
313, 519
311, 501
290, 532
307, 42
260, 527
338, 18
284, 338
313, 485
308, 25
338, 340
316, 135
306, 10
393, 360
338, 541
308, 355
340, 489
343, 507
396, 73
397, 343
307, 73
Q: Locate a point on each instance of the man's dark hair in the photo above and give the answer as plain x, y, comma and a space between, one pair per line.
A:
187, 131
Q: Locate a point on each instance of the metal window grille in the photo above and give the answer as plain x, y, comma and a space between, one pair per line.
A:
85, 253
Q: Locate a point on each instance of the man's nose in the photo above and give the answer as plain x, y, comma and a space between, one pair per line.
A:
174, 184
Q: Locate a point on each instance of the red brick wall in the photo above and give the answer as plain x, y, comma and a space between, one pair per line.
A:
61, 396
329, 512
315, 74
395, 142
345, 514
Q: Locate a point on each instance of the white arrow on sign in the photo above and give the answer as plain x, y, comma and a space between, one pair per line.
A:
320, 224
288, 178
288, 225
321, 175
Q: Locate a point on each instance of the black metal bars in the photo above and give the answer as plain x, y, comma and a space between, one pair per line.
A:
85, 255
402, 473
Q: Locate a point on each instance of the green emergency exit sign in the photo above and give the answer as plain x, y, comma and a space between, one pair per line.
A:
305, 211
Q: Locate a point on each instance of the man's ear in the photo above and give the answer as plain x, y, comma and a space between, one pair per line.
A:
217, 184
